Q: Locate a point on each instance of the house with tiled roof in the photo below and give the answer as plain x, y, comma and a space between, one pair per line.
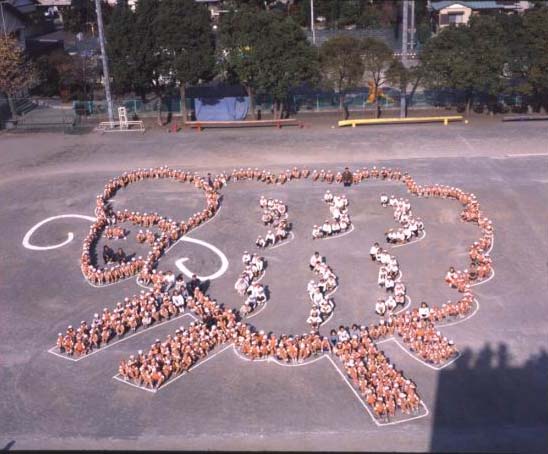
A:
454, 12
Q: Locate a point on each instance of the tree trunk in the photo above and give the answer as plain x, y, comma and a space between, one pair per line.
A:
182, 91
13, 110
468, 104
378, 101
276, 108
251, 95
343, 108
410, 97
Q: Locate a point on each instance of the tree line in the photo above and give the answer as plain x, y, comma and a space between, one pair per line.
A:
167, 45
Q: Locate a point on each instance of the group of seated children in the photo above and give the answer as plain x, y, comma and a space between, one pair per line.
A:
274, 215
340, 219
410, 226
247, 283
389, 279
322, 305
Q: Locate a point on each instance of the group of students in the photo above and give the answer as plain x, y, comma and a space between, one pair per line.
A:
389, 279
138, 311
247, 284
319, 293
340, 219
383, 387
274, 215
410, 226
169, 230
479, 268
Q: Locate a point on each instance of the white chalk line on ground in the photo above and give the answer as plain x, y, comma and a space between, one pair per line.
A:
364, 404
422, 237
491, 276
111, 344
70, 236
431, 366
457, 322
405, 306
259, 311
284, 242
340, 235
169, 382
128, 382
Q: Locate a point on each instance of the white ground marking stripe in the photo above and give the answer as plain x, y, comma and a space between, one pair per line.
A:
169, 382
111, 344
431, 366
127, 382
457, 322
283, 243
258, 312
70, 236
491, 276
364, 404
224, 261
340, 235
422, 237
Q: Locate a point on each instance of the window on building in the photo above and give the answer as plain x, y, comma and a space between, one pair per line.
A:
455, 18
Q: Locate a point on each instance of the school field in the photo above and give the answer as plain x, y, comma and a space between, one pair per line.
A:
492, 398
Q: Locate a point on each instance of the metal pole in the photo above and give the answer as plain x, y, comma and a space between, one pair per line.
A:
412, 30
104, 58
3, 20
404, 32
312, 22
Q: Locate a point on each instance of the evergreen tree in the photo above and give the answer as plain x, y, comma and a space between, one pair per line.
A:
267, 52
120, 40
470, 58
342, 66
287, 60
241, 33
16, 71
145, 52
377, 59
184, 34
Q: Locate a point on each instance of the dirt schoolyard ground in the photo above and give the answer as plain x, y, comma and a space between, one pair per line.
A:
491, 398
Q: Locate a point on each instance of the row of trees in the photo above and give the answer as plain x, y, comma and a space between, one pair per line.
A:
172, 43
491, 55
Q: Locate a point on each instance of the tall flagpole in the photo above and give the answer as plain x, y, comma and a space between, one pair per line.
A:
312, 22
104, 58
404, 46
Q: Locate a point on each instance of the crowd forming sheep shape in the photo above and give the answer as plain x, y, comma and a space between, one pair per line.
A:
384, 390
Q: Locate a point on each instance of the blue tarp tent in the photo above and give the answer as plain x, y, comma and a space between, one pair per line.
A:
221, 109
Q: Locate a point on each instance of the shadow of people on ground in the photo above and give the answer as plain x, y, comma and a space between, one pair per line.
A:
484, 403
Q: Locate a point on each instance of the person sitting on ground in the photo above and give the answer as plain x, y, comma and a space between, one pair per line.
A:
380, 307
270, 238
121, 255
108, 254
257, 292
326, 228
246, 258
316, 233
375, 249
424, 310
193, 284
314, 260
260, 242
314, 319
347, 177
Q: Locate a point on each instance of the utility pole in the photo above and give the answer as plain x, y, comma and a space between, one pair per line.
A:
3, 19
312, 22
104, 59
404, 34
412, 28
